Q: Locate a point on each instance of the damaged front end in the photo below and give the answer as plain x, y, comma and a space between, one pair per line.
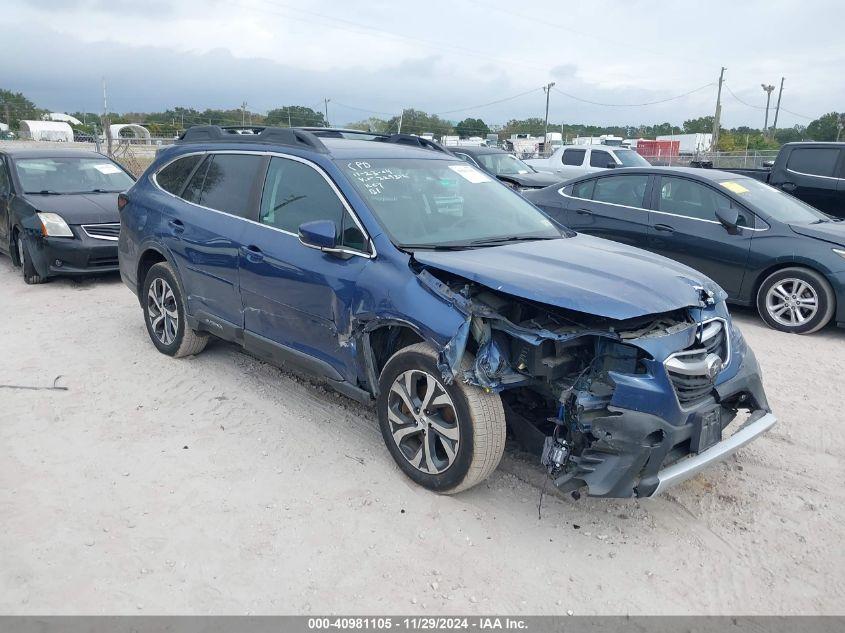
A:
607, 404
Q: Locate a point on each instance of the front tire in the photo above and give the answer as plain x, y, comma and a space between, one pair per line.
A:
30, 274
796, 300
446, 438
165, 314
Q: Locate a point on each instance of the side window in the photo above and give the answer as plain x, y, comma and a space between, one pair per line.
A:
601, 159
573, 156
194, 187
228, 183
583, 189
624, 190
691, 199
172, 177
817, 161
295, 193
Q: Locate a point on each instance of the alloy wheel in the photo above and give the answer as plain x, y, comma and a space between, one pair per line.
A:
423, 421
792, 302
162, 311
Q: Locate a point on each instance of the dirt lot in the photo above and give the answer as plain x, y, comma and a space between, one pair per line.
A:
218, 484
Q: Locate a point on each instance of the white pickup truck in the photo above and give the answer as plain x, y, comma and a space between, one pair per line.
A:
571, 161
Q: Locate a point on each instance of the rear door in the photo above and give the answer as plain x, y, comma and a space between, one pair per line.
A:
5, 201
203, 232
572, 162
295, 296
612, 207
811, 175
685, 228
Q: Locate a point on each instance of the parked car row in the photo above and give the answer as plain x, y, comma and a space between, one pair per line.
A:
408, 276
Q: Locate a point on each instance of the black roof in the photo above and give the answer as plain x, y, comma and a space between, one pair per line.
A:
476, 150
302, 137
29, 152
700, 173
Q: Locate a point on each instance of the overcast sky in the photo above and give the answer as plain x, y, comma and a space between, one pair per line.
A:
373, 57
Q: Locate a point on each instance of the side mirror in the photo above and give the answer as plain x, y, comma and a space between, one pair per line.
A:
319, 234
611, 165
729, 218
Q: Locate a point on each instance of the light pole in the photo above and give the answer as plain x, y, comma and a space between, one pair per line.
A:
768, 89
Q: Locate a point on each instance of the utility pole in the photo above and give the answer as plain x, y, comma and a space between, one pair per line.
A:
326, 105
718, 110
768, 90
777, 107
548, 90
399, 131
106, 126
243, 114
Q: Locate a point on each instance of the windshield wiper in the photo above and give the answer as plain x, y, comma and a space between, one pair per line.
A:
436, 247
44, 192
513, 238
101, 191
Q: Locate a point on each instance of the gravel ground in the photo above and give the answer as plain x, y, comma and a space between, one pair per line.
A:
218, 484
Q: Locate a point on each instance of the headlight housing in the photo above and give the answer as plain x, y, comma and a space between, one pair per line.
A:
54, 225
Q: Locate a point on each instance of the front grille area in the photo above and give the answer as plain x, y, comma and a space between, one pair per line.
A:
694, 370
102, 231
102, 262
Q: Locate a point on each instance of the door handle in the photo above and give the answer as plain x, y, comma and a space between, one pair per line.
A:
664, 227
176, 227
789, 186
253, 253
583, 212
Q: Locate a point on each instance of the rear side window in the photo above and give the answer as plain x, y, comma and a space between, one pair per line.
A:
227, 183
573, 156
295, 193
583, 189
816, 161
173, 177
601, 159
624, 190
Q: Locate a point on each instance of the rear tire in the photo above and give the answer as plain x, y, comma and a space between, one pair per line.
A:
796, 300
30, 275
165, 315
454, 438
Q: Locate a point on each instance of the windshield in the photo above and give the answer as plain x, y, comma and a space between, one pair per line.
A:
503, 164
437, 203
773, 202
629, 158
71, 175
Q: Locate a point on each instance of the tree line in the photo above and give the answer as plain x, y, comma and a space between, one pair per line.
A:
15, 107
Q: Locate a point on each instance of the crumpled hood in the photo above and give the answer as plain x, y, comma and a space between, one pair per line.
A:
829, 231
79, 208
582, 273
534, 179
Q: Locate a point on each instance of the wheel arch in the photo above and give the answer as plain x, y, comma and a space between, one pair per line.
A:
150, 256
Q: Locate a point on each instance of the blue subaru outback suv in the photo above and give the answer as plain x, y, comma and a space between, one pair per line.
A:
405, 277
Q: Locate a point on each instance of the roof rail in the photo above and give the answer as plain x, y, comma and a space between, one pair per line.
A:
399, 139
291, 137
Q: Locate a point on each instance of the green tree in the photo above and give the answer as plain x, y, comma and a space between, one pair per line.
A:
825, 128
791, 134
295, 115
471, 127
419, 122
702, 124
373, 124
19, 109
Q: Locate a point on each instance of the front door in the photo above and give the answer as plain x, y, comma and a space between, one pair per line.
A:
686, 229
5, 201
296, 298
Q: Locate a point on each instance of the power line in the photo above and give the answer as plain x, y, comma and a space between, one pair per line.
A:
782, 109
634, 105
484, 105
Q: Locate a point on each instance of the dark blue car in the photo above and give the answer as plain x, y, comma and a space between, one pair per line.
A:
405, 277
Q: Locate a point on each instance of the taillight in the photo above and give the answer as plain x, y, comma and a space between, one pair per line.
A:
122, 201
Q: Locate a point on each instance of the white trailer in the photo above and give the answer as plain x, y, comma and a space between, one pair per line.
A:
691, 143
